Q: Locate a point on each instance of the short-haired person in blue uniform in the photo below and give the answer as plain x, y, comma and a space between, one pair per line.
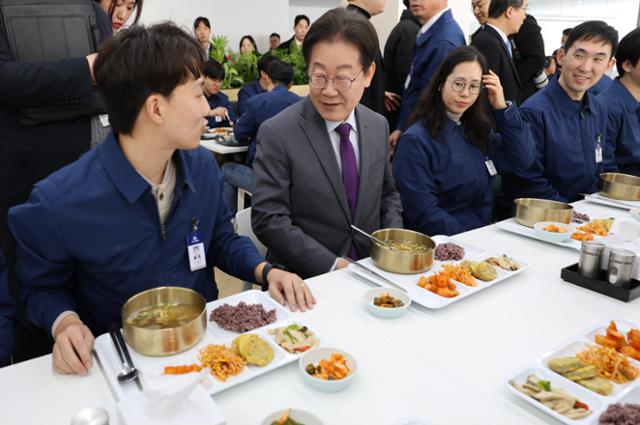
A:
445, 160
132, 214
255, 87
259, 109
7, 313
221, 112
623, 104
568, 124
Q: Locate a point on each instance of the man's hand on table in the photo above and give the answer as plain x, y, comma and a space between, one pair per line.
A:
289, 288
72, 349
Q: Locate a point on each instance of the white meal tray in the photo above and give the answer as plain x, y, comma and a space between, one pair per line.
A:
627, 393
152, 367
598, 198
427, 298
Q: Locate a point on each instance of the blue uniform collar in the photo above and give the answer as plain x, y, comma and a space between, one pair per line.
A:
567, 105
630, 103
280, 87
126, 179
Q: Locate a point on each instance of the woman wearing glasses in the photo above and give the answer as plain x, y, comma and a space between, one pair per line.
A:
445, 160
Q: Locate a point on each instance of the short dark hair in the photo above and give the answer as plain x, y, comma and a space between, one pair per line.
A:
566, 31
251, 40
431, 110
498, 7
139, 61
137, 6
299, 18
274, 34
628, 50
201, 19
344, 25
264, 61
593, 30
214, 70
280, 72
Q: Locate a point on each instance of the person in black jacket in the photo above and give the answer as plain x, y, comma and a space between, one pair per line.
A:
398, 52
29, 153
300, 27
529, 57
374, 95
505, 19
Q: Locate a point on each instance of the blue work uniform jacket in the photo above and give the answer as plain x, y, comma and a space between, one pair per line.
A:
566, 134
246, 93
7, 313
90, 237
602, 84
259, 109
623, 128
430, 50
444, 183
220, 99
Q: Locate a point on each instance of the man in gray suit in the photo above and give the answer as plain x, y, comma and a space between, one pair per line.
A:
322, 164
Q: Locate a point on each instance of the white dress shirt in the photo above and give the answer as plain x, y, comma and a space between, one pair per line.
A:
335, 137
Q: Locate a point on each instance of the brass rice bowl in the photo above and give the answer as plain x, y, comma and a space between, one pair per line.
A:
166, 341
399, 261
623, 187
530, 211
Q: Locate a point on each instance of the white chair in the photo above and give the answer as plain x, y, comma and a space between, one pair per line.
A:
241, 195
243, 228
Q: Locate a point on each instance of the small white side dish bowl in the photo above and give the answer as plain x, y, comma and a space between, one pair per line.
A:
298, 415
553, 236
387, 312
314, 356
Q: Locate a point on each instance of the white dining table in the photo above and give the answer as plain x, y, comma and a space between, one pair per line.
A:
221, 149
447, 366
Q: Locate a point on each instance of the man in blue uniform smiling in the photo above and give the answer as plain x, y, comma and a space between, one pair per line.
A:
132, 214
568, 124
622, 98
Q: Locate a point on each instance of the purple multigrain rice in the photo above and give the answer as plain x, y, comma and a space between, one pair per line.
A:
621, 414
580, 217
449, 251
243, 317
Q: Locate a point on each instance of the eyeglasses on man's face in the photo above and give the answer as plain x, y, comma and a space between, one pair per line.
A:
458, 85
340, 83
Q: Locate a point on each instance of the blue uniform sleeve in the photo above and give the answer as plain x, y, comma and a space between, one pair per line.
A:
7, 313
243, 97
537, 185
418, 192
420, 77
512, 148
611, 137
231, 253
44, 267
246, 128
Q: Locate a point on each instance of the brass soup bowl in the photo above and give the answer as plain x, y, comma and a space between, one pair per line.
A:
398, 261
620, 186
529, 211
163, 342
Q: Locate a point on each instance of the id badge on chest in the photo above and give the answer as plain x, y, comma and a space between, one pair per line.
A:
218, 118
195, 249
490, 167
598, 148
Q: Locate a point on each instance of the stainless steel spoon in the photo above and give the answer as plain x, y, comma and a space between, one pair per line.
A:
373, 238
128, 372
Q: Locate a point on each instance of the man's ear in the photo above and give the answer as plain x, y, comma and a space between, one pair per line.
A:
154, 108
369, 74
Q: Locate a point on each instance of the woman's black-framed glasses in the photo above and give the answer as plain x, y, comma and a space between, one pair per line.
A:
459, 85
340, 83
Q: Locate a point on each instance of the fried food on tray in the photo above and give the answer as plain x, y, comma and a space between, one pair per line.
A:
253, 349
439, 284
629, 345
599, 226
610, 364
222, 361
582, 236
577, 370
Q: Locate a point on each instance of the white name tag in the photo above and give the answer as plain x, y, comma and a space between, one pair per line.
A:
218, 118
490, 167
197, 259
104, 120
598, 148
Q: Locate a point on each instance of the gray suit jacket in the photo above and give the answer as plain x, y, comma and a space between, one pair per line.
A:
299, 205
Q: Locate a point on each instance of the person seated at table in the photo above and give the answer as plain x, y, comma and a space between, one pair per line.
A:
128, 215
446, 159
221, 112
322, 164
623, 104
255, 87
568, 124
259, 109
7, 313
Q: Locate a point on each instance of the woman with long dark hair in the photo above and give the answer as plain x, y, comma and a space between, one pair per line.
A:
248, 45
120, 11
445, 160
